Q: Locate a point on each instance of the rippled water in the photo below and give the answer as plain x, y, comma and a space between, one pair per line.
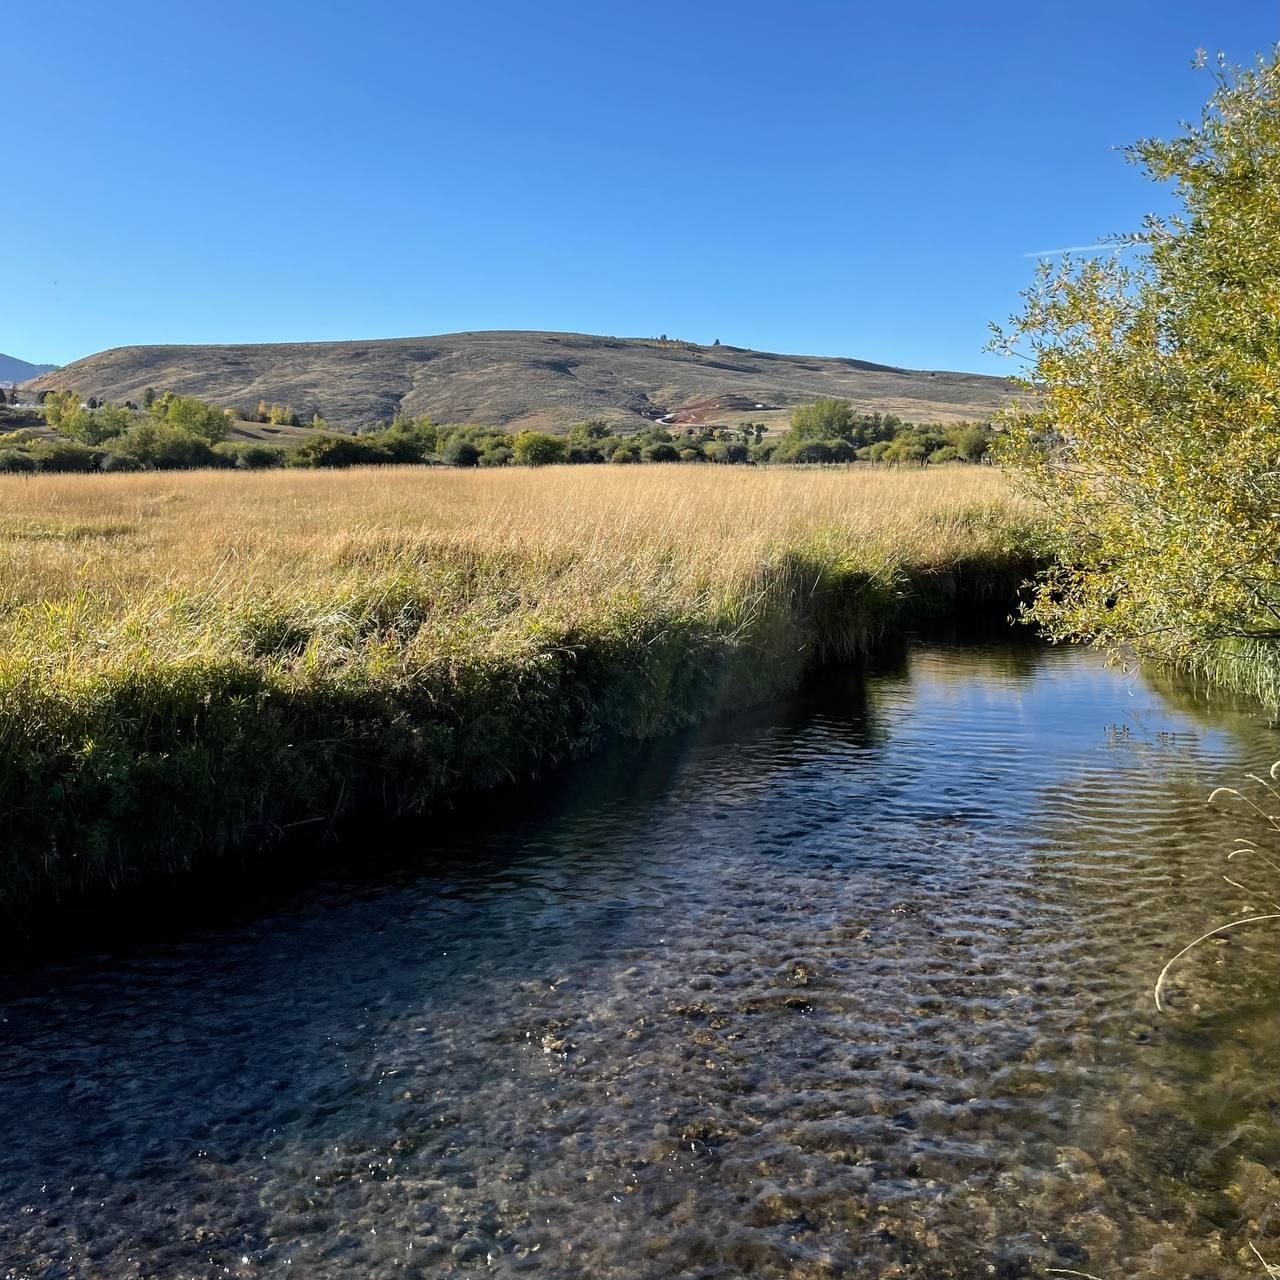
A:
857, 986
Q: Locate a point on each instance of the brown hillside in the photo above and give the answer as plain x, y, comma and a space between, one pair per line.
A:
523, 379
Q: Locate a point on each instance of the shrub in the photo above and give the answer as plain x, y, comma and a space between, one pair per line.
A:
251, 455
15, 460
903, 450
726, 451
338, 451
411, 439
498, 456
64, 413
155, 445
193, 416
282, 416
590, 432
460, 452
970, 441
811, 451
105, 423
824, 419
662, 452
119, 462
63, 455
537, 449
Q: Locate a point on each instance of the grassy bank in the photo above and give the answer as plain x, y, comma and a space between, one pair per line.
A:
194, 663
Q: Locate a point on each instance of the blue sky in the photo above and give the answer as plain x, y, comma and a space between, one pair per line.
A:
837, 178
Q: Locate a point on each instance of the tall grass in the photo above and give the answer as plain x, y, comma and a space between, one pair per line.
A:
194, 662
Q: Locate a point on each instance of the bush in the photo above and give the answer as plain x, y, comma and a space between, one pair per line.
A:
411, 439
63, 455
811, 451
726, 451
537, 449
903, 450
825, 419
193, 416
251, 455
15, 460
460, 452
155, 445
105, 423
662, 452
586, 434
281, 415
625, 453
498, 456
119, 462
970, 441
338, 451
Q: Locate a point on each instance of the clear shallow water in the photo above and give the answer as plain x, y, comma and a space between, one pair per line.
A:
859, 985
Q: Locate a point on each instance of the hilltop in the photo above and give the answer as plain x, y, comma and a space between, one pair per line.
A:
518, 379
14, 370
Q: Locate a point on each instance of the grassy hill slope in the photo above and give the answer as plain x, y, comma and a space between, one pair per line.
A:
523, 379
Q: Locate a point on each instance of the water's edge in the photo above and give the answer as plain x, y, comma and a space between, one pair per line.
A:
230, 786
856, 982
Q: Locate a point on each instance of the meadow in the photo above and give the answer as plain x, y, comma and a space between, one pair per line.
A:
194, 664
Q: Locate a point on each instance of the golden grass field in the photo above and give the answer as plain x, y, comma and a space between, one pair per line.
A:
127, 546
189, 658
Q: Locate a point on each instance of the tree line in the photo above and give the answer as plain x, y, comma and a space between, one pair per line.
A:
175, 432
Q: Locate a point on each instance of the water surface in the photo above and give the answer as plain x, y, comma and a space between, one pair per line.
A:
858, 985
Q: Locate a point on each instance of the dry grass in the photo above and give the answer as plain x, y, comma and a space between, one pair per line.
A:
123, 541
188, 659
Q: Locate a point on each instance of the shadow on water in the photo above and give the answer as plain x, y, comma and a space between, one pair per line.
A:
854, 984
478, 832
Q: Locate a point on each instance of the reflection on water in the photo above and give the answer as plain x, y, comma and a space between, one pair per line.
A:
857, 986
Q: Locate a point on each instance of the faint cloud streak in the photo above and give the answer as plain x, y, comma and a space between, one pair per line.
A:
1070, 248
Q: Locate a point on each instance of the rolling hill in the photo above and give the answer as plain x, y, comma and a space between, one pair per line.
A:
521, 379
14, 370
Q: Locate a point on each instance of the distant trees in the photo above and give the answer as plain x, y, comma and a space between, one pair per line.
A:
831, 430
537, 449
64, 412
824, 419
186, 413
460, 452
185, 431
154, 444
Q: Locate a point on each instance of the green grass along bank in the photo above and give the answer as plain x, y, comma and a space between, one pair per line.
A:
142, 773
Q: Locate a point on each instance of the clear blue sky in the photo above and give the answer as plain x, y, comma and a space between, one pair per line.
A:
849, 178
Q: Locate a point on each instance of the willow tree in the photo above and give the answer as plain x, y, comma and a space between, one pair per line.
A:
1151, 419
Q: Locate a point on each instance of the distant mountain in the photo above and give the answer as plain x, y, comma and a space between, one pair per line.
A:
14, 370
520, 379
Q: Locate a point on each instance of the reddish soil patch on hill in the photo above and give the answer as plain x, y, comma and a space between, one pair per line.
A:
698, 411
